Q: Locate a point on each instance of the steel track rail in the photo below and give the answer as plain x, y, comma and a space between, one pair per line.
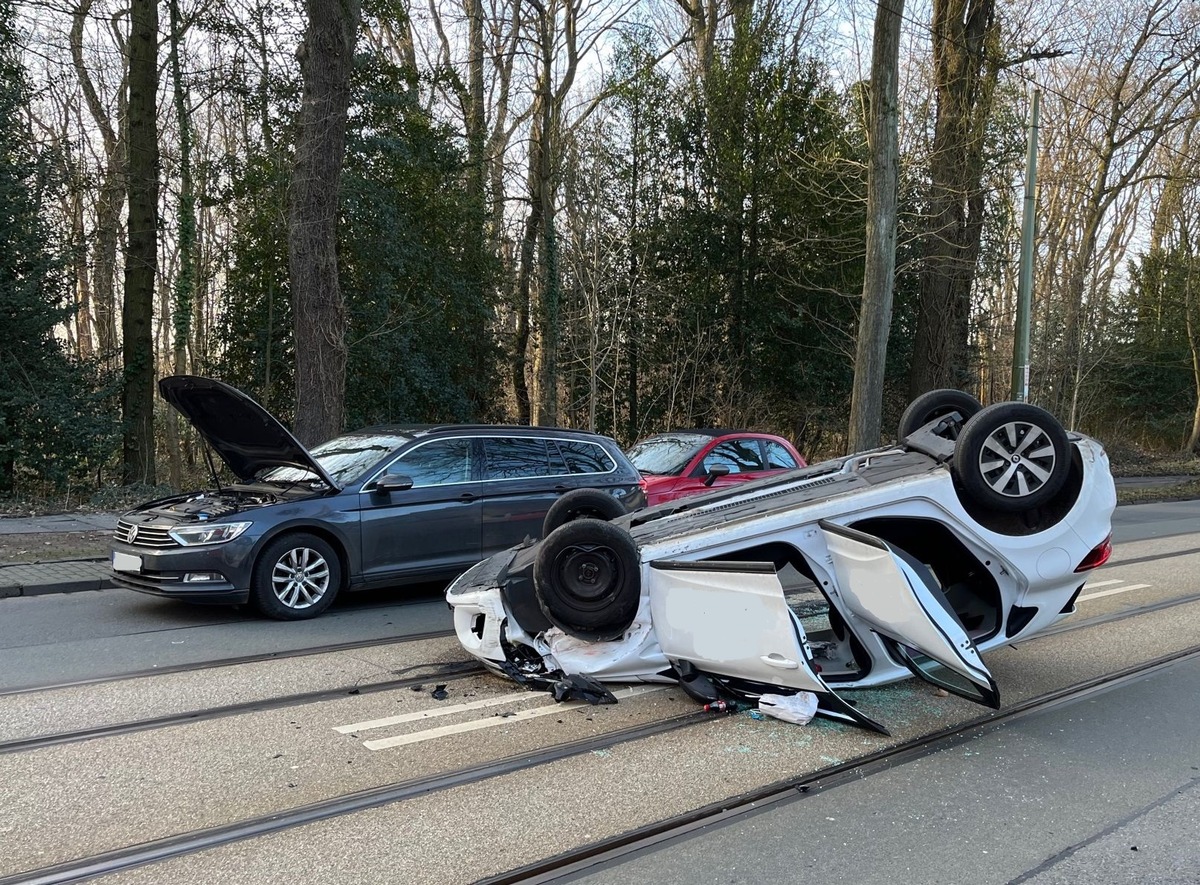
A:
605, 851
464, 668
159, 850
611, 851
232, 662
451, 671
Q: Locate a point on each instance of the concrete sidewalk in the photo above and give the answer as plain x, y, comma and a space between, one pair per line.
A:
55, 576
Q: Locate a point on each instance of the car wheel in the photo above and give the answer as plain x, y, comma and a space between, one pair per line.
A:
296, 577
586, 579
1012, 456
581, 504
935, 404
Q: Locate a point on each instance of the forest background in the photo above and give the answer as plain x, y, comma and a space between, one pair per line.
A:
619, 215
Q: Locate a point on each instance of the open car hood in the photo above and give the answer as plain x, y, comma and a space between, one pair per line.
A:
247, 437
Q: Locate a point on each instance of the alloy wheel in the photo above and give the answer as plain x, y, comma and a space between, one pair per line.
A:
300, 578
1017, 459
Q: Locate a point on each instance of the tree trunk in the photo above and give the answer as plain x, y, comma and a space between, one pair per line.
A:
964, 32
141, 253
882, 178
326, 59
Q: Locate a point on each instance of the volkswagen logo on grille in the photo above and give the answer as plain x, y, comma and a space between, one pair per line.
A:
133, 533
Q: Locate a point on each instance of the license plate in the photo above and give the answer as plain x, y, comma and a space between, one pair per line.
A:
125, 562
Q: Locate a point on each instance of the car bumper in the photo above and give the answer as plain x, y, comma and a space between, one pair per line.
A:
218, 574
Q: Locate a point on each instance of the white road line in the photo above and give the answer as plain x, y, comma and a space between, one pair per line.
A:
1112, 592
516, 697
1105, 583
476, 724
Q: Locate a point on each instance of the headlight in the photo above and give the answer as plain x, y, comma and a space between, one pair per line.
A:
217, 533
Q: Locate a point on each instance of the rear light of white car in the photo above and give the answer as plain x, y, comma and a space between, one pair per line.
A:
1099, 555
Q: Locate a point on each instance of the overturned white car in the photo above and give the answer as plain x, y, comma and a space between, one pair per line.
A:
974, 530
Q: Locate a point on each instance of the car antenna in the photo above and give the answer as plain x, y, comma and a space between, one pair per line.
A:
211, 468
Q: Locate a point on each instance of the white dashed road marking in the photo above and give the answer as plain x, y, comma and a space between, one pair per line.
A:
476, 724
514, 698
1112, 592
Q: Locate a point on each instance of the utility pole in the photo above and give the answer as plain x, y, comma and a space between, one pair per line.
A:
1020, 370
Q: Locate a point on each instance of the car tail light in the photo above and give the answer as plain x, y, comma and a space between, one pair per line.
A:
1099, 555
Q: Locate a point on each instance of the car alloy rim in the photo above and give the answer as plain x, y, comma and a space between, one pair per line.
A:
587, 573
1017, 459
300, 578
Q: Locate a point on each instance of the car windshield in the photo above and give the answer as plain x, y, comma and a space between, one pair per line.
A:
344, 458
668, 454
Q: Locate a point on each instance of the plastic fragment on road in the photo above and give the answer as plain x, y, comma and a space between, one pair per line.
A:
576, 687
797, 708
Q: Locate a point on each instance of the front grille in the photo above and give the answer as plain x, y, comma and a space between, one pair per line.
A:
140, 535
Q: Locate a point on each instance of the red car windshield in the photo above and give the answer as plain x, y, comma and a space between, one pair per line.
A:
666, 455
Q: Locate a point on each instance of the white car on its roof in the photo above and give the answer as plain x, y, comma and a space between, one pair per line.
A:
978, 528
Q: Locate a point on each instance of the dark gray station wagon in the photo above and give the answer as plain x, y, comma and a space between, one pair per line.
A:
376, 507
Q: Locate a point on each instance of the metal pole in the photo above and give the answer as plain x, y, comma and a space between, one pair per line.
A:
1020, 371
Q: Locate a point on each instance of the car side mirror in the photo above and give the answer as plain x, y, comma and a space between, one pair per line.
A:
715, 471
393, 482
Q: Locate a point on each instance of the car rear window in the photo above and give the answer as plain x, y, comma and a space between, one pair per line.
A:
585, 457
778, 458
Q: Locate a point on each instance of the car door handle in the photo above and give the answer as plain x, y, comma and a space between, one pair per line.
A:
467, 497
779, 662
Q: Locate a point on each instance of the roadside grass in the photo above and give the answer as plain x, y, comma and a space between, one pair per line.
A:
1188, 490
51, 546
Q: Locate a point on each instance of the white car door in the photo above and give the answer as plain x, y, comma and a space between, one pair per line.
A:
731, 619
899, 598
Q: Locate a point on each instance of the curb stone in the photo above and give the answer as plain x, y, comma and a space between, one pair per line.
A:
60, 576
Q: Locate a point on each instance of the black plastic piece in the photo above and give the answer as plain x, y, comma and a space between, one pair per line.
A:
1019, 617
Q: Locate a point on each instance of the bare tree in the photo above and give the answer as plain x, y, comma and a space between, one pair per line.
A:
110, 196
1131, 87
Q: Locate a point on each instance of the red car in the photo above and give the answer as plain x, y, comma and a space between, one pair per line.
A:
684, 462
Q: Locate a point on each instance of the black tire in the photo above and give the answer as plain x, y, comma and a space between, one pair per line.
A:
581, 504
586, 579
935, 404
1012, 456
296, 577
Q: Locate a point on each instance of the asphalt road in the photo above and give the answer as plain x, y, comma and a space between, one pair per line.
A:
1060, 796
77, 636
